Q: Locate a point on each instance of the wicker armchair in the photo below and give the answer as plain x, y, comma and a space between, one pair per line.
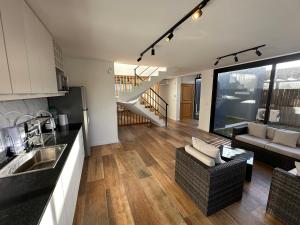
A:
211, 188
284, 197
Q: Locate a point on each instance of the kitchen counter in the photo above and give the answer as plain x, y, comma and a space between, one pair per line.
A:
23, 198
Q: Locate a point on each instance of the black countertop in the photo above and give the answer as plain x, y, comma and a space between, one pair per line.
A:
24, 198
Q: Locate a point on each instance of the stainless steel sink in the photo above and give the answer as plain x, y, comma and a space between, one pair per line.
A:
36, 160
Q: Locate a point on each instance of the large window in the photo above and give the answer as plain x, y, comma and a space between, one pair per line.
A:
266, 92
285, 100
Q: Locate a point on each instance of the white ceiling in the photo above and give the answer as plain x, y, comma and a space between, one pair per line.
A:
120, 30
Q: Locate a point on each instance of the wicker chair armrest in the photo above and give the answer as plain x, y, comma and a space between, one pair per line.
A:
221, 169
284, 179
284, 197
229, 167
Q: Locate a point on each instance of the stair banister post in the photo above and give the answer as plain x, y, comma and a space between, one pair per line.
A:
134, 76
166, 115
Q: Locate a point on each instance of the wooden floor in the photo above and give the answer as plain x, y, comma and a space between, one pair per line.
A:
133, 183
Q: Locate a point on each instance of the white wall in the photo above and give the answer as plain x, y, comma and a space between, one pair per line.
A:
188, 79
206, 98
98, 77
171, 93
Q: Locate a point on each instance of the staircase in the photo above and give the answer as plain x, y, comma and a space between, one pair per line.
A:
137, 94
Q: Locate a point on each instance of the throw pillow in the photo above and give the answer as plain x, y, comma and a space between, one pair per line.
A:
298, 142
257, 130
207, 149
200, 156
286, 137
297, 164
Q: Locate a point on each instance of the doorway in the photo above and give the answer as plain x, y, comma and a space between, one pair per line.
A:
190, 98
187, 101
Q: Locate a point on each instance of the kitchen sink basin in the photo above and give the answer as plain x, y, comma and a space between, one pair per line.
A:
38, 159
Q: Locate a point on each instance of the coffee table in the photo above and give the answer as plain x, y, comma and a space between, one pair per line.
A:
228, 153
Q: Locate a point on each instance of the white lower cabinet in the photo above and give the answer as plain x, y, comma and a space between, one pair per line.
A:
61, 208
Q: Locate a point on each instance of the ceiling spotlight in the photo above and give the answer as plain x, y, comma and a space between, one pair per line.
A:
153, 51
258, 53
170, 36
197, 14
217, 62
236, 59
139, 59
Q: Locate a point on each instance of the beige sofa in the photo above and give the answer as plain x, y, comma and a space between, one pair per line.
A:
275, 154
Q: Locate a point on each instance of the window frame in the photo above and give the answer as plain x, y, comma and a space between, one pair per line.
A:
250, 65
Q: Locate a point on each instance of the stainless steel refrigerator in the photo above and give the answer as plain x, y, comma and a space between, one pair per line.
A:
74, 104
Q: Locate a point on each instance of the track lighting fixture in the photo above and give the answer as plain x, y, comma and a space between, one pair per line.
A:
235, 54
258, 53
195, 13
236, 59
170, 36
153, 51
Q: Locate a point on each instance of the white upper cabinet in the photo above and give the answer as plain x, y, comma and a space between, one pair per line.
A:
14, 35
40, 53
5, 84
29, 49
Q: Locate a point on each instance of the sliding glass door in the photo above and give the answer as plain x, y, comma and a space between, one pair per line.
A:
266, 92
240, 98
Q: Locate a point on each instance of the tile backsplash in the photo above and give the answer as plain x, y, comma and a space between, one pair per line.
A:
13, 109
10, 110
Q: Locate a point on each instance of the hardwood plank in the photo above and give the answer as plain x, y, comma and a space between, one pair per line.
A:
95, 167
111, 174
135, 164
197, 219
161, 204
141, 209
182, 201
96, 212
118, 206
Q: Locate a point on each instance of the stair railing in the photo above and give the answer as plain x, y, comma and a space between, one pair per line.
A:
155, 102
143, 78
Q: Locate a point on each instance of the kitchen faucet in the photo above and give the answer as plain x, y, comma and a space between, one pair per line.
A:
52, 122
30, 116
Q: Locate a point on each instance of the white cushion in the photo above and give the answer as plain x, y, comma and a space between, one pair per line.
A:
297, 164
286, 137
207, 149
294, 172
260, 142
200, 156
284, 150
271, 132
257, 130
